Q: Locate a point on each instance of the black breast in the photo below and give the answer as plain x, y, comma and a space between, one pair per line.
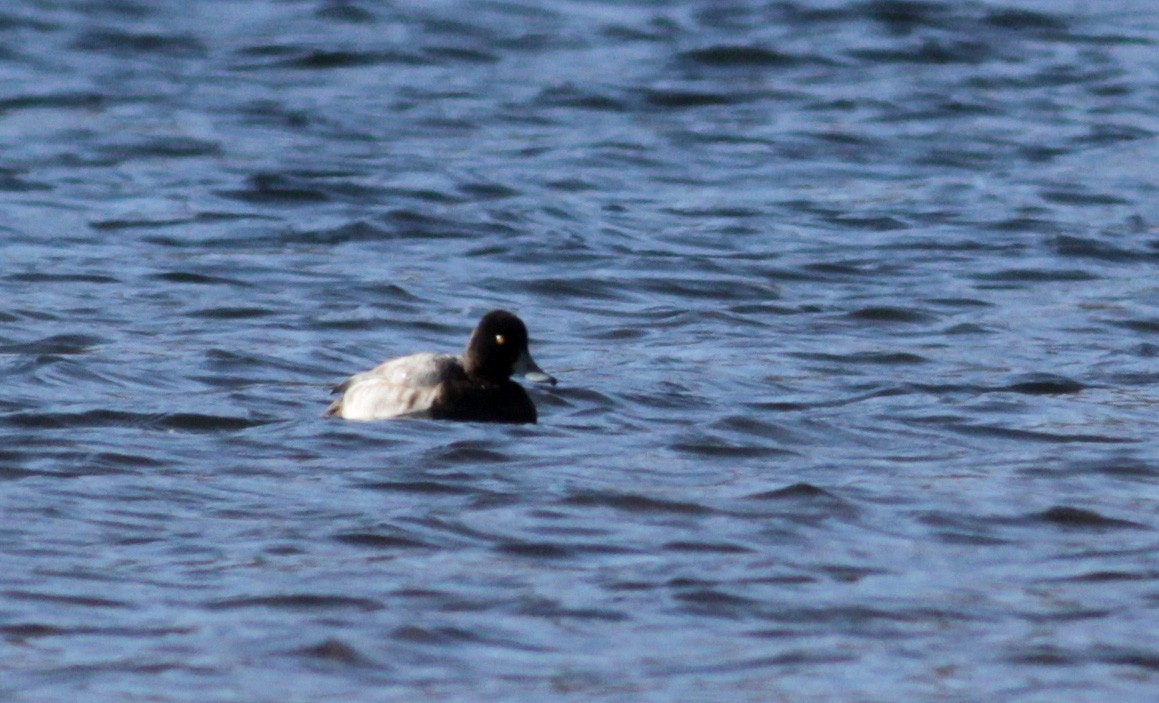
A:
484, 402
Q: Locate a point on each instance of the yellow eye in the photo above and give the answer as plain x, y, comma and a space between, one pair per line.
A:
500, 339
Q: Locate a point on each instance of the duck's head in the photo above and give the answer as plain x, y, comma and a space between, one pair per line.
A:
498, 348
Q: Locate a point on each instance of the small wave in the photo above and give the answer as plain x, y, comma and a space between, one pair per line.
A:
1036, 276
12, 181
796, 491
466, 452
885, 313
434, 635
346, 12
421, 487
122, 43
1149, 326
1080, 198
380, 541
1044, 384
41, 277
929, 51
232, 313
187, 422
676, 99
1090, 248
714, 602
54, 101
1025, 21
865, 357
1111, 576
326, 59
335, 650
553, 611
536, 550
61, 599
569, 96
723, 448
706, 547
198, 279
168, 147
633, 503
297, 601
1035, 435
56, 345
302, 188
1067, 516
739, 56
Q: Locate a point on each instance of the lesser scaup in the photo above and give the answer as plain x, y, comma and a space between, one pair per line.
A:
474, 387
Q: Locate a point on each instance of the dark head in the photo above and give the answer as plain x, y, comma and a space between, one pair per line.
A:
498, 348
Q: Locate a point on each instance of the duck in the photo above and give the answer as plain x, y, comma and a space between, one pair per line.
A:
474, 386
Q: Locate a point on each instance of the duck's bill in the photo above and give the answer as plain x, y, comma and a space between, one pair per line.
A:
527, 367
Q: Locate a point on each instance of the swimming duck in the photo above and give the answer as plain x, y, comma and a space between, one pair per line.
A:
473, 387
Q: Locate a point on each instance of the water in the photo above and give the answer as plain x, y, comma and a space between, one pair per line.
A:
853, 305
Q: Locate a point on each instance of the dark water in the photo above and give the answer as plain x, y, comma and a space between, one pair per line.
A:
854, 307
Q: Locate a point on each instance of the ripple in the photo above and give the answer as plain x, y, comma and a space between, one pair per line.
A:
866, 357
1123, 467
232, 313
60, 599
335, 650
706, 547
1025, 21
556, 550
327, 59
433, 635
1145, 325
929, 51
1073, 197
715, 602
723, 448
1090, 248
569, 96
347, 13
1067, 516
187, 422
1011, 433
57, 345
1111, 576
690, 99
297, 601
125, 43
957, 528
167, 147
633, 503
797, 491
891, 314
197, 279
54, 101
19, 632
39, 277
374, 540
466, 452
12, 181
1129, 656
734, 56
273, 189
1045, 384
536, 550
301, 188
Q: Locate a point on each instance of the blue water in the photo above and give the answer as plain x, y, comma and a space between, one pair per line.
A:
854, 308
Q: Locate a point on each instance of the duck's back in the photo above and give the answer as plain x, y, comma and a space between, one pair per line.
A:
407, 386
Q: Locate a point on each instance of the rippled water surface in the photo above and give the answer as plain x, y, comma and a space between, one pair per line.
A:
854, 306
